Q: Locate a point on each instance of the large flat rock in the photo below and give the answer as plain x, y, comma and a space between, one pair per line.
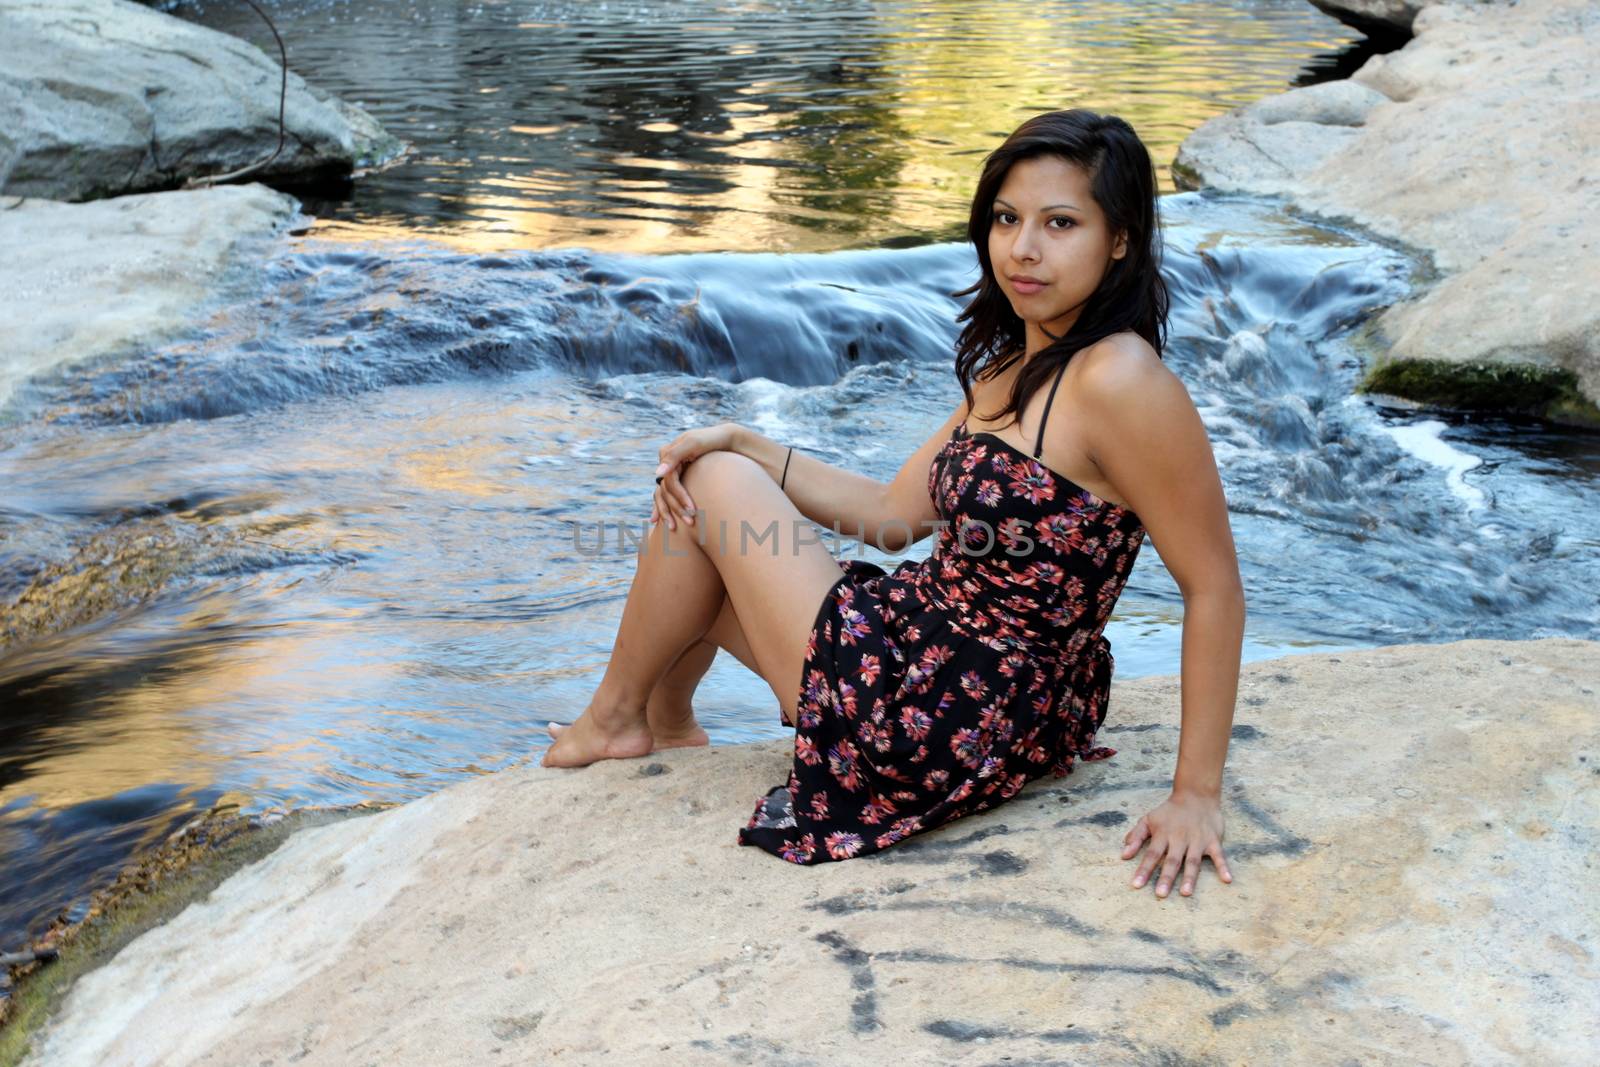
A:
106, 97
84, 280
1475, 144
1412, 831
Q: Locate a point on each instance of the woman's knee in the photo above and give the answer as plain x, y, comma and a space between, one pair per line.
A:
716, 470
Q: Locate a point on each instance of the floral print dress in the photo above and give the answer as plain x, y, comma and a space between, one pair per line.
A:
943, 687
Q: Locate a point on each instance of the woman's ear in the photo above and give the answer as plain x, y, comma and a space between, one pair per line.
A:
1121, 247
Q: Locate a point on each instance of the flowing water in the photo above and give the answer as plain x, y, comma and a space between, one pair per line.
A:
356, 534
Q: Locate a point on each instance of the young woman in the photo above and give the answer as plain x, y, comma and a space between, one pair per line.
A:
942, 688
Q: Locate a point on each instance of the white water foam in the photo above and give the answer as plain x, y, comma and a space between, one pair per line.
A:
1424, 440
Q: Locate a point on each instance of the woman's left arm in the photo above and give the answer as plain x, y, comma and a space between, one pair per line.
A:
1151, 444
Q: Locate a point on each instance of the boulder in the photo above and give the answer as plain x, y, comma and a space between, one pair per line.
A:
84, 280
1473, 145
105, 97
1375, 18
1412, 832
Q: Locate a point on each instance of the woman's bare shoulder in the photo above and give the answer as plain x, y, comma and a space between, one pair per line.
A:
1122, 361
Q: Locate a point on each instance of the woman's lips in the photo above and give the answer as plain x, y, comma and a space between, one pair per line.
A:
1026, 288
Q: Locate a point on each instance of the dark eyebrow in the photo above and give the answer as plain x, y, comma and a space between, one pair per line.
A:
1047, 207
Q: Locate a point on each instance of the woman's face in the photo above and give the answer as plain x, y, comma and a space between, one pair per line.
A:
1045, 225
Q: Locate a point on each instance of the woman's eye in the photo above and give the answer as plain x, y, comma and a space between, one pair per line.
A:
1000, 216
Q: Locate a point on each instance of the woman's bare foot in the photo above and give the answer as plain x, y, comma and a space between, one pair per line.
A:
595, 737
673, 725
675, 732
693, 737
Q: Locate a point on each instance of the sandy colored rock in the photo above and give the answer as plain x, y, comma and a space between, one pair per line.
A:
1474, 144
1413, 834
83, 280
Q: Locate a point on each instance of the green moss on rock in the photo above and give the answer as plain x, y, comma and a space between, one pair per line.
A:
1515, 388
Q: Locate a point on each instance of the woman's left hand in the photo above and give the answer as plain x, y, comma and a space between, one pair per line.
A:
1184, 829
675, 456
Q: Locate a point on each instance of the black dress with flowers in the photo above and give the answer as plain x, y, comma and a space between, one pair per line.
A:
943, 687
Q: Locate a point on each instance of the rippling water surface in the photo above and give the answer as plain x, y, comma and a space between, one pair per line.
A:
337, 541
796, 125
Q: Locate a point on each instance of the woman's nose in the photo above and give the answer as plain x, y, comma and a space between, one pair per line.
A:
1023, 248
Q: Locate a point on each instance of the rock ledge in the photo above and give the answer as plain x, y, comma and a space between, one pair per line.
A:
1413, 833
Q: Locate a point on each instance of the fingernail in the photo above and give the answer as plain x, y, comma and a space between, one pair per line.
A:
661, 469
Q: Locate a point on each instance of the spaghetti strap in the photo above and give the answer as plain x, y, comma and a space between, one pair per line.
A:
1039, 447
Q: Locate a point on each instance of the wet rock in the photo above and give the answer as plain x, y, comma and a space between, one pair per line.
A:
105, 97
1375, 18
141, 553
85, 280
1473, 145
1412, 833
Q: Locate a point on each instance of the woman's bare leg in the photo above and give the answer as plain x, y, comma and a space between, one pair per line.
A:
670, 709
675, 596
774, 588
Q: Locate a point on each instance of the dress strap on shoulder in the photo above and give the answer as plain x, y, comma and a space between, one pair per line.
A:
1039, 447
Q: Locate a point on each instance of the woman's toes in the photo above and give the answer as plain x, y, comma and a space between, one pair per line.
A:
583, 743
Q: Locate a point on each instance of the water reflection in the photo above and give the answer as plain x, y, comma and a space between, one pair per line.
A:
692, 126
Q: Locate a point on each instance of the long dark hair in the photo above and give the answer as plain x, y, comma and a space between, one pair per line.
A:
1132, 295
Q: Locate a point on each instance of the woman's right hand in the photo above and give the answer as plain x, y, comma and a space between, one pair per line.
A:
671, 498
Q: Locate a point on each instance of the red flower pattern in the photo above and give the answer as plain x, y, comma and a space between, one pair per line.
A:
941, 688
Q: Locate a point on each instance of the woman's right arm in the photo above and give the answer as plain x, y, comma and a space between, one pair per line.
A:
888, 516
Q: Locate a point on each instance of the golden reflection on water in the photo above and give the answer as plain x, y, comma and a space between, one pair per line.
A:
89, 759
456, 469
889, 146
